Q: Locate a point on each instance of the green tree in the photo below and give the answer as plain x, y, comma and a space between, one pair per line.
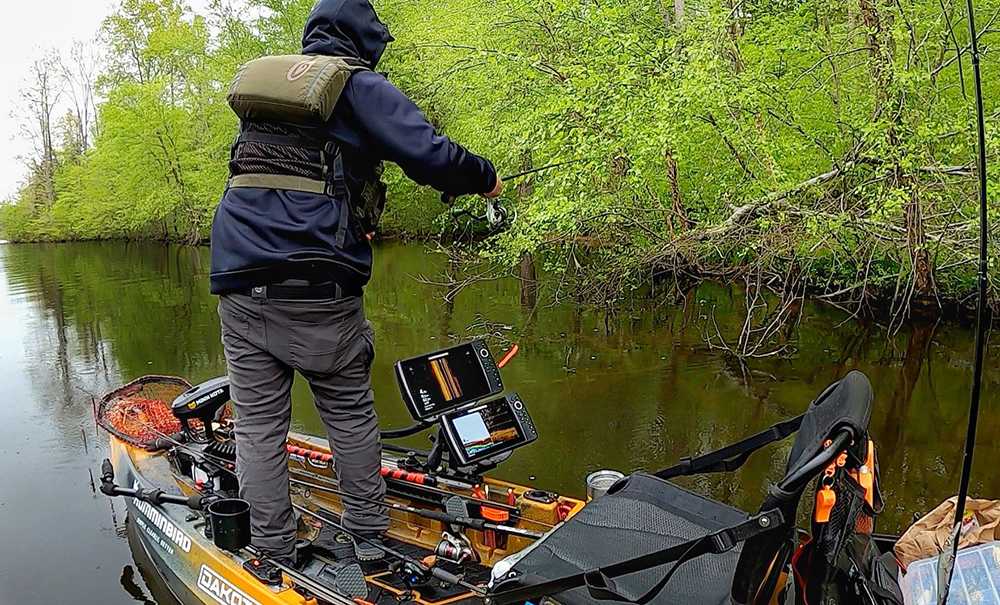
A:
786, 138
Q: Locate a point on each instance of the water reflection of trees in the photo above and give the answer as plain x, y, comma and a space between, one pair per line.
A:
646, 390
150, 304
100, 313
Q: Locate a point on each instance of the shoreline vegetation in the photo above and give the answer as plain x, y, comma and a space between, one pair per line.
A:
798, 146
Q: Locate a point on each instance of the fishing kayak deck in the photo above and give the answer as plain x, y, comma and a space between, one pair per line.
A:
175, 538
329, 553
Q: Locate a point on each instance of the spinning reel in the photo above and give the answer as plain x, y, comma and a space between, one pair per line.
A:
495, 215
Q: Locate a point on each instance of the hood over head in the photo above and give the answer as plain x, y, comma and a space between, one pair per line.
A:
345, 28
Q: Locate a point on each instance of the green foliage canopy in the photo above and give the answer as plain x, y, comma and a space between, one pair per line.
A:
823, 143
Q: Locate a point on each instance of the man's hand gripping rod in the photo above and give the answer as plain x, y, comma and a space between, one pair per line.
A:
495, 213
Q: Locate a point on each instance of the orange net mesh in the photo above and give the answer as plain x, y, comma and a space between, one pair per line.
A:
139, 412
145, 420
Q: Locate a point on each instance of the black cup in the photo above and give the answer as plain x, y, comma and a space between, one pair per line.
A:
230, 519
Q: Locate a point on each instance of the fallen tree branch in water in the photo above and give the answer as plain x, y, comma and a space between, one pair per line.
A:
766, 330
845, 230
458, 273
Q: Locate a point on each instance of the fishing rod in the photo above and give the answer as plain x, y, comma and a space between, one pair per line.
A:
946, 565
543, 168
166, 440
495, 213
443, 517
436, 572
199, 502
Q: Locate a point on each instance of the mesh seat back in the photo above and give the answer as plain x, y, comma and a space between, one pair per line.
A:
845, 404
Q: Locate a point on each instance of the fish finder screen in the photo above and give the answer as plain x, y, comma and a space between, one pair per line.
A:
486, 429
442, 381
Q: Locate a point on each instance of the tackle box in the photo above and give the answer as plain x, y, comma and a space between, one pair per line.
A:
976, 580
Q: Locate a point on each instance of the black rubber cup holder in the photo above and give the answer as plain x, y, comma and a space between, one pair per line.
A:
230, 519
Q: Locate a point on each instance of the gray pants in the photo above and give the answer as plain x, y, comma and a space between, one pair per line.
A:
332, 345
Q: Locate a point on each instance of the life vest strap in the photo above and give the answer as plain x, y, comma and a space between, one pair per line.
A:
279, 181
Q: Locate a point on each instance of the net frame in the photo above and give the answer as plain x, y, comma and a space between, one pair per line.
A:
155, 387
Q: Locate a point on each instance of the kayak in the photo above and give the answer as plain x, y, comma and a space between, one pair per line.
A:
491, 519
196, 571
459, 536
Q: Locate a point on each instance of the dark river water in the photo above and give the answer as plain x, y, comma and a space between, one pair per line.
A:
636, 389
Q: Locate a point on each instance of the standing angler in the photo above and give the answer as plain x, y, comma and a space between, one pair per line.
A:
291, 254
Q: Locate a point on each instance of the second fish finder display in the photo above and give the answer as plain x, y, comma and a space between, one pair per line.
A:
486, 429
441, 382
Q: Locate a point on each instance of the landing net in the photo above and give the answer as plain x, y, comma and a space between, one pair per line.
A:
139, 412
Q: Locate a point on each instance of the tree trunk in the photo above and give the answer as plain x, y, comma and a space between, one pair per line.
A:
879, 51
675, 193
40, 98
525, 188
527, 275
735, 30
916, 243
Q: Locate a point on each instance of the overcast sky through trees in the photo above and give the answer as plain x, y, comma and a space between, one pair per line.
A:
29, 30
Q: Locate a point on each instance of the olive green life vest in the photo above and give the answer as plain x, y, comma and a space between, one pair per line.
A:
283, 102
299, 89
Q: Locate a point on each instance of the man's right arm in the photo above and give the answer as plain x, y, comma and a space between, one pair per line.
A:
403, 135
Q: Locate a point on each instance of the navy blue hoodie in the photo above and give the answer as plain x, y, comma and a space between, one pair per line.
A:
264, 236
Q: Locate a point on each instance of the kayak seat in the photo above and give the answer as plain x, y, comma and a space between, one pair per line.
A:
649, 541
644, 515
